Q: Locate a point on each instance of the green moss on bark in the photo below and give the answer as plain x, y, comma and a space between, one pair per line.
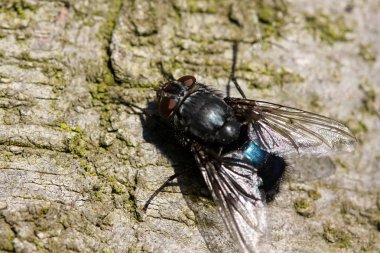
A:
337, 236
305, 207
327, 28
6, 237
271, 16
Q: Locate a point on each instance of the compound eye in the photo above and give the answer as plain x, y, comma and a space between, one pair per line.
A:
166, 106
187, 80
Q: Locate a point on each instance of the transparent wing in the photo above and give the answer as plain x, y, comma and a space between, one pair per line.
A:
305, 169
287, 131
234, 186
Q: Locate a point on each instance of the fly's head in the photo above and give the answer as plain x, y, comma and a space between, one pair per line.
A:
171, 94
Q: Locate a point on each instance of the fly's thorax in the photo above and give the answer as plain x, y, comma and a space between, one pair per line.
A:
206, 116
197, 111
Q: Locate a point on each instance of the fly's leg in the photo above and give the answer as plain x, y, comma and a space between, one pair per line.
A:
158, 120
235, 47
167, 75
144, 111
238, 87
133, 106
232, 78
156, 192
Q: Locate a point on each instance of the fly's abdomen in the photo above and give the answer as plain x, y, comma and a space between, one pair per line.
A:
270, 167
254, 154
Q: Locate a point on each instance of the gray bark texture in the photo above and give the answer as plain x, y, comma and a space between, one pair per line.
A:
76, 165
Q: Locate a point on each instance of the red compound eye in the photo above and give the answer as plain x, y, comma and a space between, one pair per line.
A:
166, 106
187, 80
172, 92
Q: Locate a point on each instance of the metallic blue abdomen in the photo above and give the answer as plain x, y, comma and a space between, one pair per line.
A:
270, 167
254, 154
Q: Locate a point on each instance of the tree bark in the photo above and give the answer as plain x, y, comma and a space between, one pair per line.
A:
76, 165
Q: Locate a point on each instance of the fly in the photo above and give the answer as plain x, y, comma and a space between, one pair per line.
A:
240, 144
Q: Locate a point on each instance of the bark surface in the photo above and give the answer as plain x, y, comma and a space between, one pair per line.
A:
76, 165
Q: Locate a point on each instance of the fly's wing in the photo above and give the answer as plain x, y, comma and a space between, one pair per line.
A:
234, 186
287, 131
305, 169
